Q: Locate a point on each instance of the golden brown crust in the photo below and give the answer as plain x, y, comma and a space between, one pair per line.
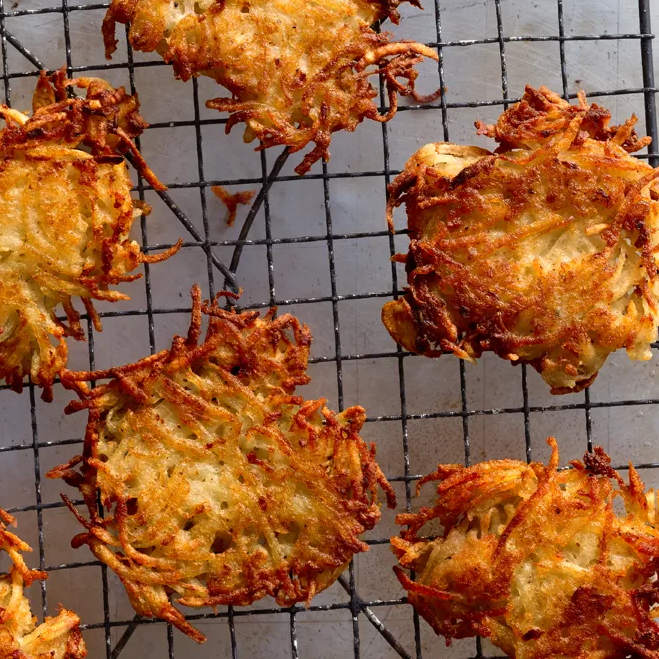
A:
543, 252
65, 218
297, 71
223, 485
58, 637
538, 559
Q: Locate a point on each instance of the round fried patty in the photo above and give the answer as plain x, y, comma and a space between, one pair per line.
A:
543, 252
223, 486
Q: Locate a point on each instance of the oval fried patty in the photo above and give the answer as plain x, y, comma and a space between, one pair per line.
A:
65, 218
548, 564
297, 71
58, 637
223, 485
543, 252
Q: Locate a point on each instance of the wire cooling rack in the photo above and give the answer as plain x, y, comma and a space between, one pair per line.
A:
449, 407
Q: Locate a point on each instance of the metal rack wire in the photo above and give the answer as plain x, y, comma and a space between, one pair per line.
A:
355, 605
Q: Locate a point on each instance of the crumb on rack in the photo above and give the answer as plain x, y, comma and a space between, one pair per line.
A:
232, 201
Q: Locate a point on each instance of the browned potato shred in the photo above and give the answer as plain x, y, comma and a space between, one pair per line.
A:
297, 71
544, 562
65, 217
223, 486
543, 252
58, 637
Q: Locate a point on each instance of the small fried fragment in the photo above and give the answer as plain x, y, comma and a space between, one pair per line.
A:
58, 637
539, 560
297, 71
223, 486
65, 218
544, 252
232, 201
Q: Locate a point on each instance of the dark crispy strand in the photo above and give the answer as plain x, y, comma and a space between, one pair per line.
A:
221, 484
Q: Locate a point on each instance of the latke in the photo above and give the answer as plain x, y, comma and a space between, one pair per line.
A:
297, 71
543, 562
223, 486
65, 218
58, 637
543, 252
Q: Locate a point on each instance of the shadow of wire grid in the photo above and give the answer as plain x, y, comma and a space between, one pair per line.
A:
316, 246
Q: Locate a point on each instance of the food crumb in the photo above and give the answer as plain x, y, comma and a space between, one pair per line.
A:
232, 201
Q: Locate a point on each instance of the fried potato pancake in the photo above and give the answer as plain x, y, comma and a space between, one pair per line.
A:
544, 562
58, 637
543, 252
297, 71
65, 218
223, 485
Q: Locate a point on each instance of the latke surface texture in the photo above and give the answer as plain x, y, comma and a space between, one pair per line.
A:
65, 217
223, 486
546, 563
297, 71
58, 637
543, 252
